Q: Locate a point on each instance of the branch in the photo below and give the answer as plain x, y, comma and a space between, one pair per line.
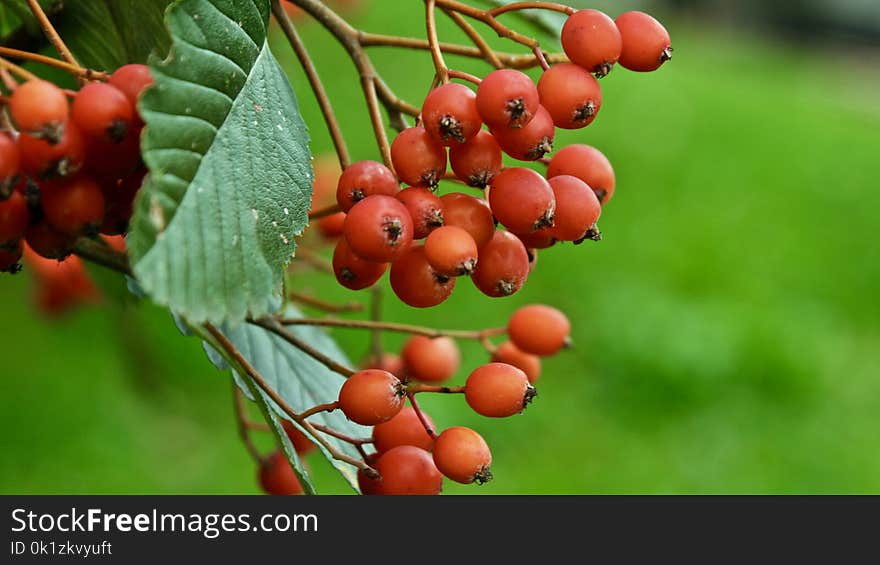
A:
16, 70
432, 433
324, 212
392, 327
75, 70
272, 325
515, 6
436, 55
50, 33
97, 251
417, 388
485, 50
324, 305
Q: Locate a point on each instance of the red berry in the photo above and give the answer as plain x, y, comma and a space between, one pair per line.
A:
119, 198
332, 226
498, 390
646, 43
571, 95
503, 266
477, 161
425, 208
40, 108
588, 164
368, 485
462, 455
362, 179
530, 142
277, 477
522, 200
450, 115
371, 396
42, 160
418, 159
507, 98
403, 429
301, 442
451, 251
591, 39
415, 283
541, 239
48, 243
529, 364
470, 213
14, 218
10, 164
109, 160
132, 80
74, 206
408, 470
431, 360
351, 271
577, 210
386, 362
379, 229
10, 258
102, 111
539, 329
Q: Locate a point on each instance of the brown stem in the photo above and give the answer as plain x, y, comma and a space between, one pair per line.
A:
421, 415
485, 50
315, 81
88, 74
272, 325
487, 18
341, 436
244, 427
99, 252
417, 388
323, 304
515, 6
328, 407
436, 55
16, 70
324, 212
51, 34
392, 327
368, 83
464, 76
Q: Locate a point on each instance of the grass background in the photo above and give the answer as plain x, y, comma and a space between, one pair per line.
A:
726, 329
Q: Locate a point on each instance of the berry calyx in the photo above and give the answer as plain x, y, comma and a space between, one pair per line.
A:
591, 39
451, 251
40, 109
522, 200
507, 98
424, 207
351, 271
378, 229
102, 111
404, 429
363, 179
503, 267
462, 455
646, 43
371, 396
416, 283
417, 158
470, 213
477, 161
498, 390
276, 476
449, 114
430, 360
530, 142
571, 95
407, 470
588, 164
509, 353
539, 329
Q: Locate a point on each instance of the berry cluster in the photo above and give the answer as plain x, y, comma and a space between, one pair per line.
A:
429, 240
72, 165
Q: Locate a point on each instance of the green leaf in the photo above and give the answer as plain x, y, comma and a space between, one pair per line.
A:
299, 380
230, 169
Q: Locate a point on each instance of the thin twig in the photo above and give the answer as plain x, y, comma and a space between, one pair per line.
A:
421, 415
515, 6
328, 407
391, 327
416, 388
436, 55
488, 54
16, 70
464, 76
241, 421
50, 32
341, 436
315, 81
489, 19
52, 62
325, 305
272, 325
324, 212
99, 252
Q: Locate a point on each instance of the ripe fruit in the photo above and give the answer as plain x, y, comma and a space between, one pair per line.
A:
498, 390
470, 213
368, 485
362, 179
408, 470
539, 329
450, 115
10, 258
507, 98
102, 111
403, 429
571, 95
530, 142
14, 217
118, 202
48, 243
431, 360
588, 164
386, 362
646, 43
378, 229
332, 226
371, 396
60, 285
132, 80
591, 39
351, 271
107, 160
541, 239
522, 200
529, 364
503, 266
425, 209
10, 164
42, 159
73, 207
40, 109
462, 455
416, 283
277, 477
451, 251
577, 209
300, 441
477, 161
418, 159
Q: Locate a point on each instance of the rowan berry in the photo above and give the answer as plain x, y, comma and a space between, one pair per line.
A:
39, 108
48, 243
530, 142
539, 329
450, 115
522, 200
577, 209
41, 159
386, 362
646, 43
503, 267
132, 80
591, 39
588, 164
404, 429
507, 98
417, 158
378, 229
10, 164
351, 271
470, 213
277, 477
451, 251
462, 455
301, 442
416, 283
102, 111
509, 353
407, 470
424, 207
371, 396
430, 360
477, 161
14, 218
362, 179
73, 206
571, 95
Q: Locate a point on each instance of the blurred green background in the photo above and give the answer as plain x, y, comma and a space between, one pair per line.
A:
726, 328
